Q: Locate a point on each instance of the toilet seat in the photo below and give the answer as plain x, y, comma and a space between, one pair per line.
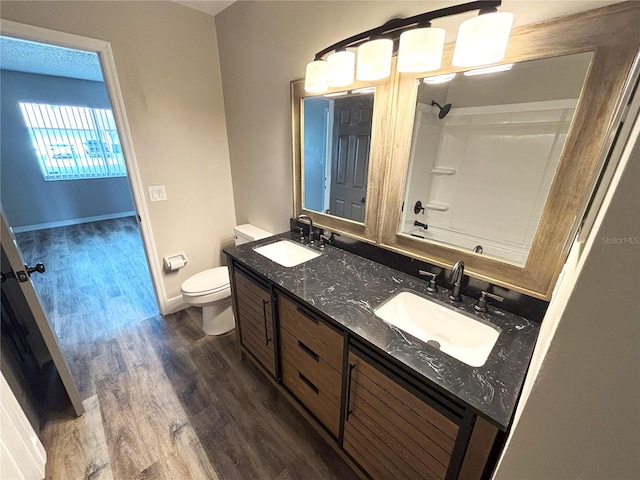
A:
211, 281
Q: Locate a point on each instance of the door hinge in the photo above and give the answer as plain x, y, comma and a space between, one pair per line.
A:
21, 275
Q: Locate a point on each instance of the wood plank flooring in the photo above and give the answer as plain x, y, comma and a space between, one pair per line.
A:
172, 402
164, 400
97, 282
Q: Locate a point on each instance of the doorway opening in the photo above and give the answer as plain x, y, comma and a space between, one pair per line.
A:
67, 196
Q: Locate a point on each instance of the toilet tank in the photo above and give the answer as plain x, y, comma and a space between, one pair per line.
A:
248, 233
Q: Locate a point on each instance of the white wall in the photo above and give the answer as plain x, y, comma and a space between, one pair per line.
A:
167, 61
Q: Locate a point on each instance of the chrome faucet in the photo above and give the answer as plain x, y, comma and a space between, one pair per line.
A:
305, 217
457, 274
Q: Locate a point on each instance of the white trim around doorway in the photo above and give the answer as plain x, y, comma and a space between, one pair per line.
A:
107, 61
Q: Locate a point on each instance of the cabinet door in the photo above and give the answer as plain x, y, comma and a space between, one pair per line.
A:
254, 319
391, 432
312, 354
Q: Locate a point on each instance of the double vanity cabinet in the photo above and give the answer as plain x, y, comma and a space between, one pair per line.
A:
367, 387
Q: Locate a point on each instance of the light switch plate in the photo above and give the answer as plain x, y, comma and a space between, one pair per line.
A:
157, 193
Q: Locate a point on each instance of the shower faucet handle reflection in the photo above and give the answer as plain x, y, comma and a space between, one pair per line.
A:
420, 224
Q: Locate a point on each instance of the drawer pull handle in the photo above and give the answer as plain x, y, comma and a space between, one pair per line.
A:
264, 316
308, 351
308, 382
307, 314
348, 407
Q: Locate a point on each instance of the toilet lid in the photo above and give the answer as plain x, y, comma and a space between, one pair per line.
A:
209, 281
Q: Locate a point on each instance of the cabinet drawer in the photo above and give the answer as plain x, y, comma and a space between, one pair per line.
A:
392, 433
255, 320
315, 334
312, 395
321, 374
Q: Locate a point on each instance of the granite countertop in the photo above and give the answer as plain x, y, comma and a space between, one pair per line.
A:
348, 288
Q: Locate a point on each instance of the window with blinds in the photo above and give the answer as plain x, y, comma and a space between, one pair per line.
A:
74, 142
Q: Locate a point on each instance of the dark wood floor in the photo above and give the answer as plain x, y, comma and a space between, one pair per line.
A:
96, 283
164, 400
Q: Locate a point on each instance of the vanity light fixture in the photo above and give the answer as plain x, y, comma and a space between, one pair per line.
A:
481, 40
374, 59
421, 49
493, 69
341, 66
316, 79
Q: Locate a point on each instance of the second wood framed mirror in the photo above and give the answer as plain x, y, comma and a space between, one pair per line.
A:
573, 125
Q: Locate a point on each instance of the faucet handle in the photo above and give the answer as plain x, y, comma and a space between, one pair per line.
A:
326, 237
481, 305
433, 288
301, 232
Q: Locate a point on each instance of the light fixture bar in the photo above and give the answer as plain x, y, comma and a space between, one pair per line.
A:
395, 27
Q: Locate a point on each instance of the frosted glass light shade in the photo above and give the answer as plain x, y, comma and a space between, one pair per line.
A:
316, 77
420, 50
374, 59
482, 40
341, 68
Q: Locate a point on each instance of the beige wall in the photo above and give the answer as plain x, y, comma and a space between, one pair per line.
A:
584, 405
265, 45
582, 411
167, 61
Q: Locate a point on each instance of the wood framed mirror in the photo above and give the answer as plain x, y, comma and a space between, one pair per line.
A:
341, 143
607, 41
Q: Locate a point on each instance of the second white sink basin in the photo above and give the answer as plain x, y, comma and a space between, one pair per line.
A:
287, 253
456, 334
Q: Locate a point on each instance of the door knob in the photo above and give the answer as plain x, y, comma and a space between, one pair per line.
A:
363, 199
38, 268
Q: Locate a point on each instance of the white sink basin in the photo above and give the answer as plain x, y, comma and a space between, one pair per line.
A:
455, 333
287, 253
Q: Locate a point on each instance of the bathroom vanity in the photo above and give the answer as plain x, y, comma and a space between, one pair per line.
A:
390, 404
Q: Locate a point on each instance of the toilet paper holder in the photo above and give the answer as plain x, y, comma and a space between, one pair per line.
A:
175, 262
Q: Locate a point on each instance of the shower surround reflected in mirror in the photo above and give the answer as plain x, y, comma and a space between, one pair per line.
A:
336, 143
484, 152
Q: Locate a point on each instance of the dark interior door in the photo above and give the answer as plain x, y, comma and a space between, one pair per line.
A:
350, 156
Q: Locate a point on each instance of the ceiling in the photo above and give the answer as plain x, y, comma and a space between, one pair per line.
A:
209, 7
40, 58
43, 59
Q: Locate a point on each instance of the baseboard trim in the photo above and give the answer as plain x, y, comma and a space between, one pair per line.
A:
174, 304
73, 221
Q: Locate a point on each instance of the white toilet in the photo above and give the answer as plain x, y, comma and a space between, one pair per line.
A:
211, 291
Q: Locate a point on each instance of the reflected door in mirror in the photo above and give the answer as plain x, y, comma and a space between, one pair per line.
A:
337, 141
